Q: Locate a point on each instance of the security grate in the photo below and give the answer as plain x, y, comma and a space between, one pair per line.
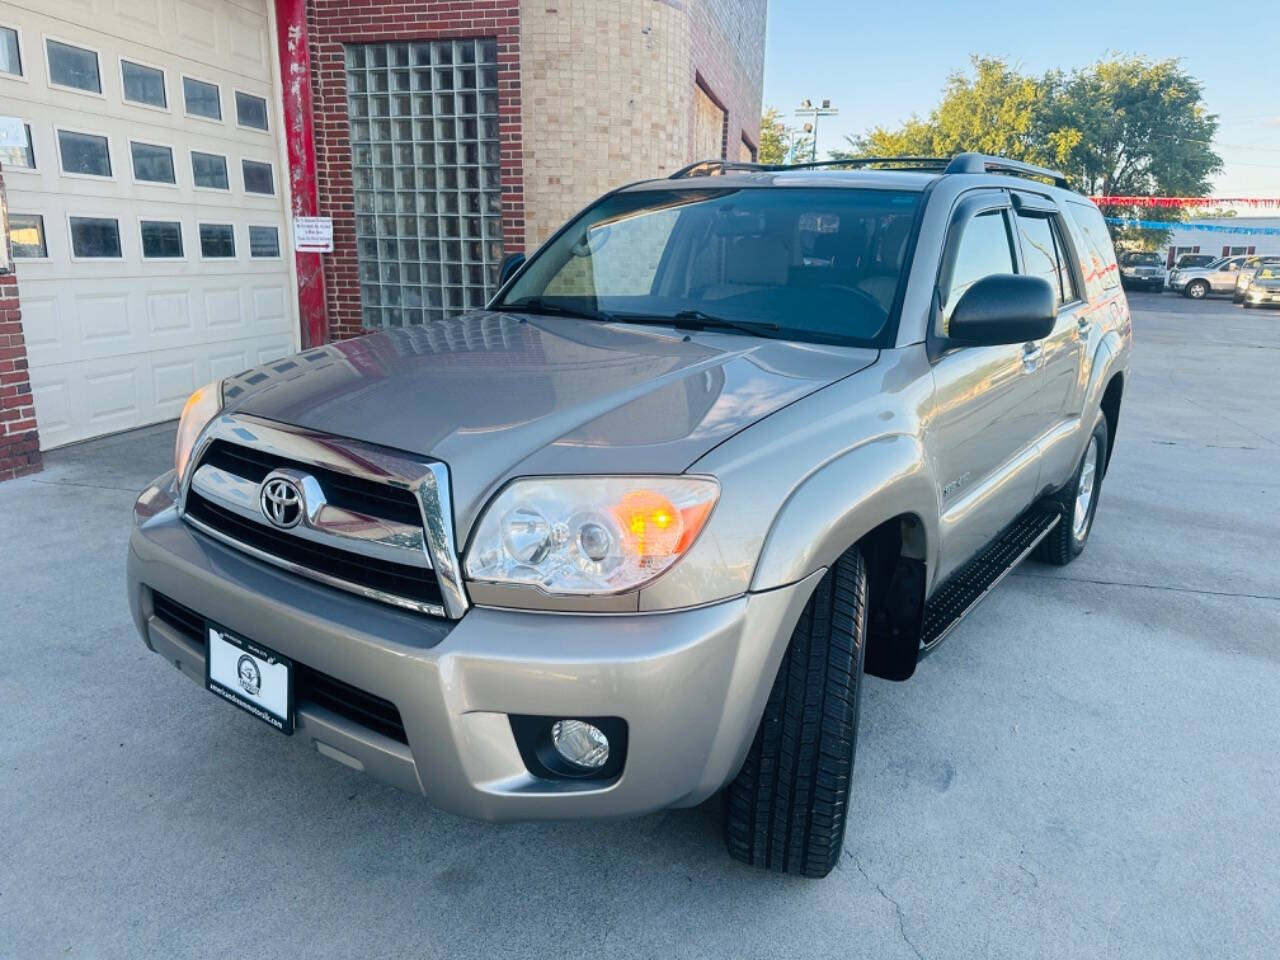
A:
426, 178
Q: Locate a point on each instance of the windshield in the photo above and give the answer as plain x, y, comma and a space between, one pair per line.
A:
1150, 259
819, 264
1268, 273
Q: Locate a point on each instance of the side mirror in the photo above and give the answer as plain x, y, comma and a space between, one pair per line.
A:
1004, 308
512, 263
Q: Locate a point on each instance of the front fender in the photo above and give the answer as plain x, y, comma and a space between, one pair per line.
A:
845, 499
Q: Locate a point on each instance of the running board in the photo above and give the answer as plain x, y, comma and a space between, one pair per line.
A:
965, 588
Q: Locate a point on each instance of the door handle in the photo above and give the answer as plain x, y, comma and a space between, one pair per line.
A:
1031, 353
1083, 324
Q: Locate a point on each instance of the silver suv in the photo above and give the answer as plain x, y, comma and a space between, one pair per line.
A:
630, 536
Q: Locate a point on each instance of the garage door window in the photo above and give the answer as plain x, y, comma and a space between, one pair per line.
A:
73, 67
264, 243
95, 238
84, 154
424, 146
152, 163
209, 171
143, 84
10, 52
22, 157
251, 111
26, 236
217, 241
161, 240
201, 99
257, 177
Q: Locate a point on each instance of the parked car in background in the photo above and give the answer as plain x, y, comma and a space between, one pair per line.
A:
1142, 269
1245, 274
1217, 277
1264, 286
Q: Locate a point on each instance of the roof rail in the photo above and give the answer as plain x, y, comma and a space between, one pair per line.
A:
711, 168
981, 163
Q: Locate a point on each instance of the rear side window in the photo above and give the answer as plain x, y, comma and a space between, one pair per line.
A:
983, 250
1098, 258
1043, 254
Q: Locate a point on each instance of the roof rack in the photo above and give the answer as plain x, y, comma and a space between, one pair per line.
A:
981, 163
960, 163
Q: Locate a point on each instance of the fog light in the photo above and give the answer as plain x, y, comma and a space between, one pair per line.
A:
580, 743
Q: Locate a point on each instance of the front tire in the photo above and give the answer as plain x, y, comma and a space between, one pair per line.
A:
1079, 500
786, 810
1197, 289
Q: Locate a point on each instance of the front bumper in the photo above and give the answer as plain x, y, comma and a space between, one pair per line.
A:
690, 684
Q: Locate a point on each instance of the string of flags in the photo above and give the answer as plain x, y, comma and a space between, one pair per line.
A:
1180, 202
1206, 227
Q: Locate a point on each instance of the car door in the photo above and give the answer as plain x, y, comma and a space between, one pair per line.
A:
985, 418
1223, 280
1041, 234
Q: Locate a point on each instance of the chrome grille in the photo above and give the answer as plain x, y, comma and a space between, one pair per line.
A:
373, 521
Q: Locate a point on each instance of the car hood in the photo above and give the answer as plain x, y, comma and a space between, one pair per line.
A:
498, 395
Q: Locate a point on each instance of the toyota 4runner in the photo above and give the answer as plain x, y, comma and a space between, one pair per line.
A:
630, 536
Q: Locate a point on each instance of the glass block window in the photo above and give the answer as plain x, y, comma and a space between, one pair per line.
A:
424, 149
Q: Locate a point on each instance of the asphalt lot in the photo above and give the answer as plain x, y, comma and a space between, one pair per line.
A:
1088, 767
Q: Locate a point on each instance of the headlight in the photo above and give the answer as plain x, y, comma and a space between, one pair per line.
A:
201, 407
589, 535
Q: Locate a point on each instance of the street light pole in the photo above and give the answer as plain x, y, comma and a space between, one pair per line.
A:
807, 109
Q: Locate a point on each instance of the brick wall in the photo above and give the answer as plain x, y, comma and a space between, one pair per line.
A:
728, 59
332, 23
19, 441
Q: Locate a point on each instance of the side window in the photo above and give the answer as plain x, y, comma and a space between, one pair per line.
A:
1044, 255
1098, 258
983, 250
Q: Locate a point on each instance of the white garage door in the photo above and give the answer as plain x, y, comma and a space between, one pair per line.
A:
147, 216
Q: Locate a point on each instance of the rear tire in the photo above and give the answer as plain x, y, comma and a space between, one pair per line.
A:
786, 809
1079, 500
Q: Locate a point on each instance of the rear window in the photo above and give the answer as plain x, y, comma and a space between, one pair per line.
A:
825, 264
1098, 258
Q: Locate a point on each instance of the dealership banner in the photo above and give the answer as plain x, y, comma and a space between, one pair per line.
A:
1180, 202
1206, 227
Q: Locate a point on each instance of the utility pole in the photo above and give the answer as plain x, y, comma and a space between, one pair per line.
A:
807, 109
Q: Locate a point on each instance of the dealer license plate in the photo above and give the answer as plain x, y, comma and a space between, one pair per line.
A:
254, 678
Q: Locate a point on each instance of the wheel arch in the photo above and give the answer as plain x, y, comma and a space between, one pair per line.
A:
1110, 405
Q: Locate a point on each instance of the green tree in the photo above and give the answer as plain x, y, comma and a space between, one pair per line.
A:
1126, 126
773, 138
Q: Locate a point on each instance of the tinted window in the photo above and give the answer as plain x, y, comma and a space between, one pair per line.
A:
209, 170
143, 84
84, 153
152, 163
10, 56
161, 239
1043, 254
217, 240
1098, 259
257, 177
983, 250
201, 99
73, 66
24, 157
251, 111
26, 235
264, 242
822, 264
95, 237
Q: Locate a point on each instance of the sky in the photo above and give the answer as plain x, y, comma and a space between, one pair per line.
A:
879, 63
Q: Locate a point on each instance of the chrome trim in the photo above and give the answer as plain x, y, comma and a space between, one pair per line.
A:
427, 479
418, 606
322, 522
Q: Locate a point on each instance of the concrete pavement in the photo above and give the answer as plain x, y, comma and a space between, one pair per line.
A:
1088, 767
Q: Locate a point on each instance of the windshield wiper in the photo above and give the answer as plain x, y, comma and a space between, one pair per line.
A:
540, 305
697, 320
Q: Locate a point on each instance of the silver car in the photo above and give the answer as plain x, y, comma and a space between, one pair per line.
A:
1244, 276
631, 536
1218, 277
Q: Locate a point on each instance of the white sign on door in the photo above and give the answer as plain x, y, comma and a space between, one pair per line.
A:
313, 234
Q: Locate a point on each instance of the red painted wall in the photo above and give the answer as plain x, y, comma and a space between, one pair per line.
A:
330, 24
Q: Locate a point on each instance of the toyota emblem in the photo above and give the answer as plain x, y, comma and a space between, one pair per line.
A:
281, 502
